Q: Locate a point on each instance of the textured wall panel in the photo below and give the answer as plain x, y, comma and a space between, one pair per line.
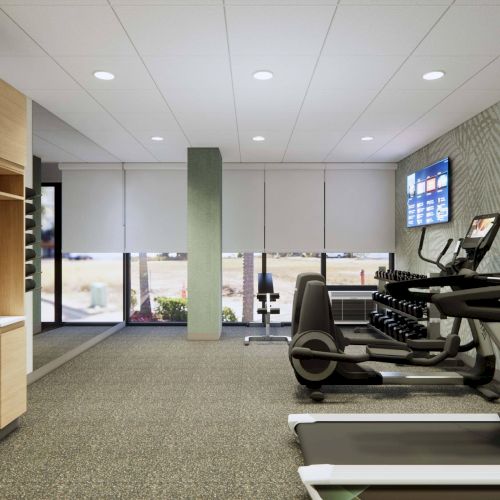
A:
474, 151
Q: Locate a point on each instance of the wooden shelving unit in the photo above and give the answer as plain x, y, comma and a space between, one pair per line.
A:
13, 155
9, 196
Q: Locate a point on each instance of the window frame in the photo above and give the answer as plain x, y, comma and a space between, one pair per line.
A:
58, 275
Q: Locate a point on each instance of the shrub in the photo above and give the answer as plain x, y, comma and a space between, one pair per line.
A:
228, 315
171, 309
133, 299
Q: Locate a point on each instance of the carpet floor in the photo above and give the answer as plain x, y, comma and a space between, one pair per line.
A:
51, 344
146, 414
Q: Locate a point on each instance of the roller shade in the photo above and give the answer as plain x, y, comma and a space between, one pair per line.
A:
243, 210
155, 208
92, 208
360, 209
295, 209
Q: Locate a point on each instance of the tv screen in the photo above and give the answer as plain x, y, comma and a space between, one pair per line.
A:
427, 197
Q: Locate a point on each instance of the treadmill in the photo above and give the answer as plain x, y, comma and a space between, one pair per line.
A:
408, 456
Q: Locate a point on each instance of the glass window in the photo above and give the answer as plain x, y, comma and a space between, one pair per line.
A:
239, 286
158, 287
344, 268
92, 287
47, 253
285, 267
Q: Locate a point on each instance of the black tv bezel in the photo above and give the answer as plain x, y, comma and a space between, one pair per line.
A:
449, 194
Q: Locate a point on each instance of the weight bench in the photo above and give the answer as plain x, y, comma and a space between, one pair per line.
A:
267, 296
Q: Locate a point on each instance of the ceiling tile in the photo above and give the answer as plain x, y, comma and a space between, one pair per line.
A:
406, 101
198, 89
477, 2
378, 122
277, 30
166, 2
270, 150
175, 30
272, 103
76, 144
131, 101
85, 30
225, 140
457, 70
13, 40
151, 122
310, 3
352, 148
469, 101
172, 149
129, 71
64, 101
51, 153
487, 79
35, 73
311, 145
465, 30
339, 105
354, 72
395, 2
52, 2
101, 128
380, 29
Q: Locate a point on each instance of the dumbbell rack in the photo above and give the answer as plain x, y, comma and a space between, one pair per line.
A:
432, 318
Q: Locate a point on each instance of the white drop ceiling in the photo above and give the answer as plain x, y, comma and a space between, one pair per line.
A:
342, 70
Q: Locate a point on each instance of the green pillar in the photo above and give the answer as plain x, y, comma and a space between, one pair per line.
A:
204, 243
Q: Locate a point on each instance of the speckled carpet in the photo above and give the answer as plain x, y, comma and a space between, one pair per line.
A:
146, 414
51, 344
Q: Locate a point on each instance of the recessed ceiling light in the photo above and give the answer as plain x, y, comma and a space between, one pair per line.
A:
258, 138
104, 75
157, 138
433, 75
367, 138
263, 74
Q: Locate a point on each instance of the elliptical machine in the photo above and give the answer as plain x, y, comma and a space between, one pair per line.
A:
475, 244
317, 352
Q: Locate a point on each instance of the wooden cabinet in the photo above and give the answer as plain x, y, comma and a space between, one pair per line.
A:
12, 126
13, 138
12, 375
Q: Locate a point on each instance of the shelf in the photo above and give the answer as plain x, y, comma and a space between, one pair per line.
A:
9, 168
8, 323
8, 196
395, 309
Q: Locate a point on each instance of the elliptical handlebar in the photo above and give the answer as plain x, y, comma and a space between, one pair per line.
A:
401, 289
436, 262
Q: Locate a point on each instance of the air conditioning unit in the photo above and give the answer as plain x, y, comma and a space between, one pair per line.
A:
351, 306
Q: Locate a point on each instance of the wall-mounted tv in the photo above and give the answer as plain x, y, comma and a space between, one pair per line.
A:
427, 195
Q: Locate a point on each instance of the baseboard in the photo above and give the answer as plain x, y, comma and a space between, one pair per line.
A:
9, 428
